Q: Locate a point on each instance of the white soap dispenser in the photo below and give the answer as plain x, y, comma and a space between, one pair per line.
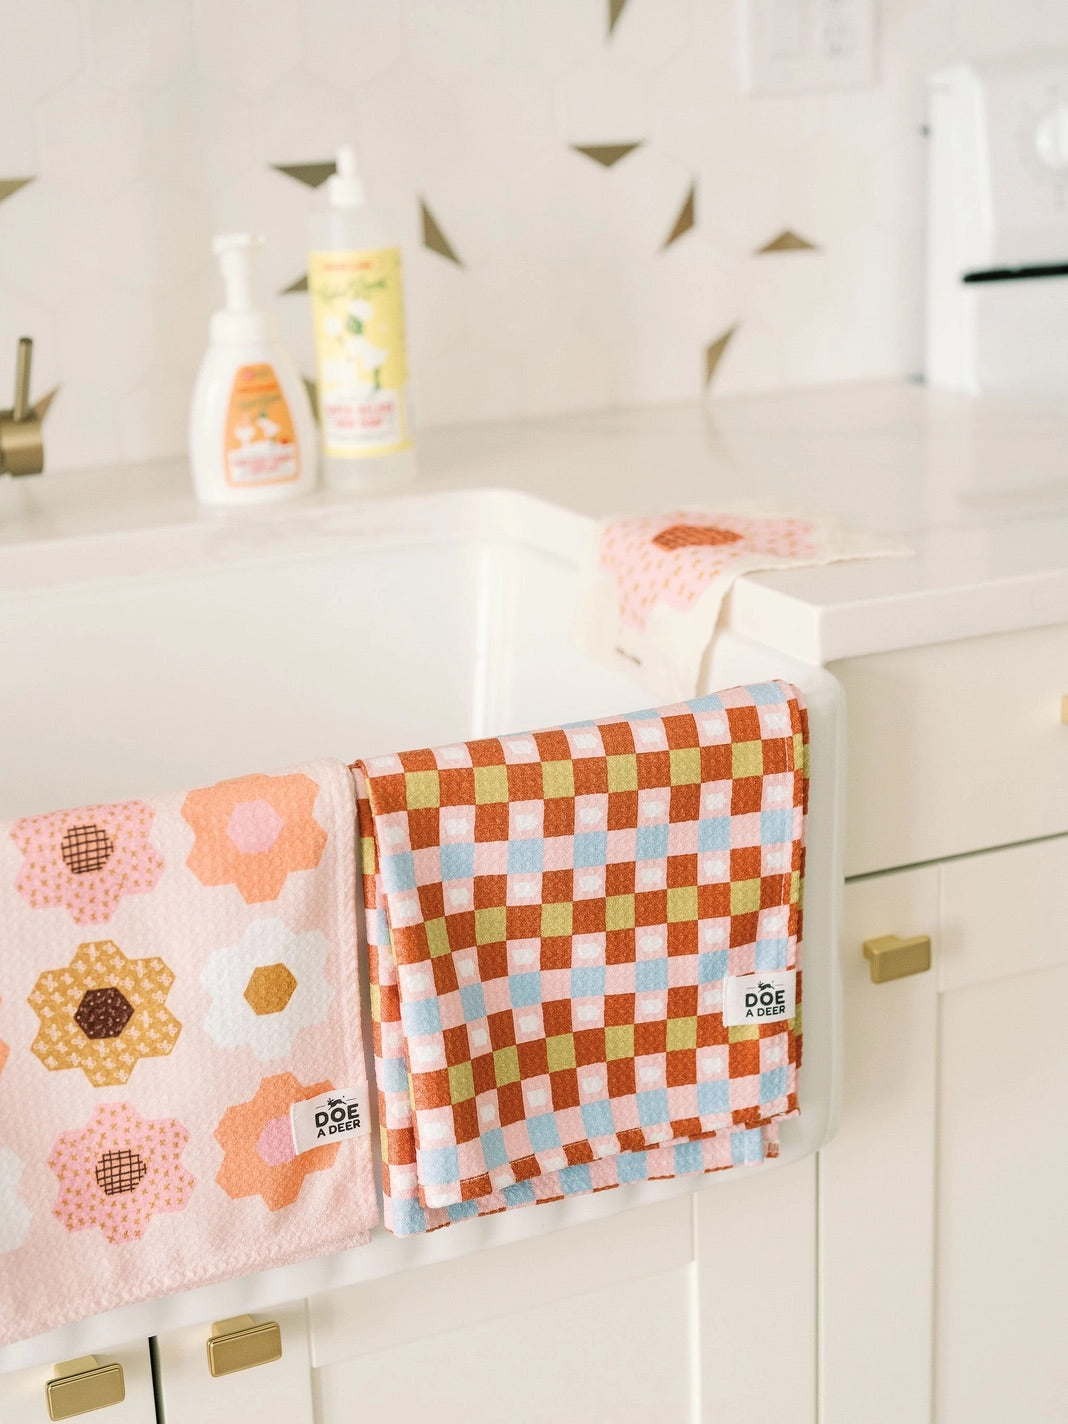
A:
355, 281
252, 435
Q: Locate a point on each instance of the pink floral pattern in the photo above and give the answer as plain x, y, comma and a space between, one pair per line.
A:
119, 1171
87, 859
672, 558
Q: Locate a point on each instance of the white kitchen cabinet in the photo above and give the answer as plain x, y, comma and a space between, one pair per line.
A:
955, 747
276, 1390
597, 1322
1002, 1255
662, 1312
942, 1238
611, 1354
24, 1398
755, 1286
877, 1177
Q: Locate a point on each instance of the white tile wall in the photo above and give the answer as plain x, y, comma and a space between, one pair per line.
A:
150, 124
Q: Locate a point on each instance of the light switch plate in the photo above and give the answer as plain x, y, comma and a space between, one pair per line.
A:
806, 46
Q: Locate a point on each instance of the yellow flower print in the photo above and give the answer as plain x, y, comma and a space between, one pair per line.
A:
103, 1013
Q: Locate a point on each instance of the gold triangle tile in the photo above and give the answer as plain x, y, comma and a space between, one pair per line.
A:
714, 352
12, 185
300, 285
40, 410
434, 238
615, 10
606, 154
312, 175
787, 241
685, 219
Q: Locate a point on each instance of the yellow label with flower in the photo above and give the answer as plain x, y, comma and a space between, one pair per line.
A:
358, 309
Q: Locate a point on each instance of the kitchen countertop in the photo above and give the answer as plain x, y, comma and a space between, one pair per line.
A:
977, 490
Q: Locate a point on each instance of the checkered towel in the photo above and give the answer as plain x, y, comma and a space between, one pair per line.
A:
552, 919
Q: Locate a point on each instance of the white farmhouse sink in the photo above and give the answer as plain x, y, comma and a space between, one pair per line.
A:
139, 662
150, 661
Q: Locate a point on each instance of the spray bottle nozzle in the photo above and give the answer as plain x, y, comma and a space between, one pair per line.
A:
345, 188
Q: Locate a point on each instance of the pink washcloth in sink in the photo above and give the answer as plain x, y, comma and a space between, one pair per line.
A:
654, 585
177, 974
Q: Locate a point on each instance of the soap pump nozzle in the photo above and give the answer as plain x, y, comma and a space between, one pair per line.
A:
239, 320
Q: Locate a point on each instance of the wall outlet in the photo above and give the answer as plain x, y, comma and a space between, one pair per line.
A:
806, 46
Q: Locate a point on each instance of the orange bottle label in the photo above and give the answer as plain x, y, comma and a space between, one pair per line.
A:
260, 446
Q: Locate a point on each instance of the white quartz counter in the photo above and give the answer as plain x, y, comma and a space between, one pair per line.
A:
977, 489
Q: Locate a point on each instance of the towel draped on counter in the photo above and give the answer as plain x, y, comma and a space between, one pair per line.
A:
653, 586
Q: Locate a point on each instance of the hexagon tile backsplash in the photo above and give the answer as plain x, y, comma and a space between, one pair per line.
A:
591, 212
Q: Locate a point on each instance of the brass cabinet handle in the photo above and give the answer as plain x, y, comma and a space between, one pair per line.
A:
80, 1385
239, 1344
891, 957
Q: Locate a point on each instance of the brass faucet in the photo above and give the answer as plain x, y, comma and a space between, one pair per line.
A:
21, 442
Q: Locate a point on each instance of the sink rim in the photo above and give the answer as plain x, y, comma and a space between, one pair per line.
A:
307, 530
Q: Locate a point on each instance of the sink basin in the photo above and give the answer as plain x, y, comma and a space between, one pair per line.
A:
138, 662
165, 659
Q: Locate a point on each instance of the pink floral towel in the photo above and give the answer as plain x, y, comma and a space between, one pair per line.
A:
656, 584
179, 983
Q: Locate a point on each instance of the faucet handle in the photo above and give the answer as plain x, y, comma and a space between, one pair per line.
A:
23, 357
21, 450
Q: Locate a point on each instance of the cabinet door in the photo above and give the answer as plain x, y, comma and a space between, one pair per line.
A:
942, 1239
23, 1397
877, 1176
670, 1312
593, 1322
1001, 1317
274, 1391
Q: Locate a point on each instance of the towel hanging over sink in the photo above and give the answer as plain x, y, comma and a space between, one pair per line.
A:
584, 952
184, 1096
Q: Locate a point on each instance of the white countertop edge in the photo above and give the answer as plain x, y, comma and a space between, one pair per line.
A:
830, 633
977, 488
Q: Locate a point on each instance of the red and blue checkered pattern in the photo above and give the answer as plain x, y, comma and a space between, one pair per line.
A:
551, 919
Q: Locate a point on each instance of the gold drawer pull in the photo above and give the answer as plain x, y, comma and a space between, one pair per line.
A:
892, 957
81, 1385
239, 1344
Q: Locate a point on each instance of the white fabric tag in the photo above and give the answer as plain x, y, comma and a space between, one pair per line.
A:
759, 998
331, 1117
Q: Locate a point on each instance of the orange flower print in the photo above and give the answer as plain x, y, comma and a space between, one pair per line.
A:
254, 831
118, 1171
4, 1050
672, 558
257, 1143
87, 859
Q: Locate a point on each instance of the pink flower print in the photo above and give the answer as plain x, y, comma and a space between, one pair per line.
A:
118, 1171
87, 859
672, 558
